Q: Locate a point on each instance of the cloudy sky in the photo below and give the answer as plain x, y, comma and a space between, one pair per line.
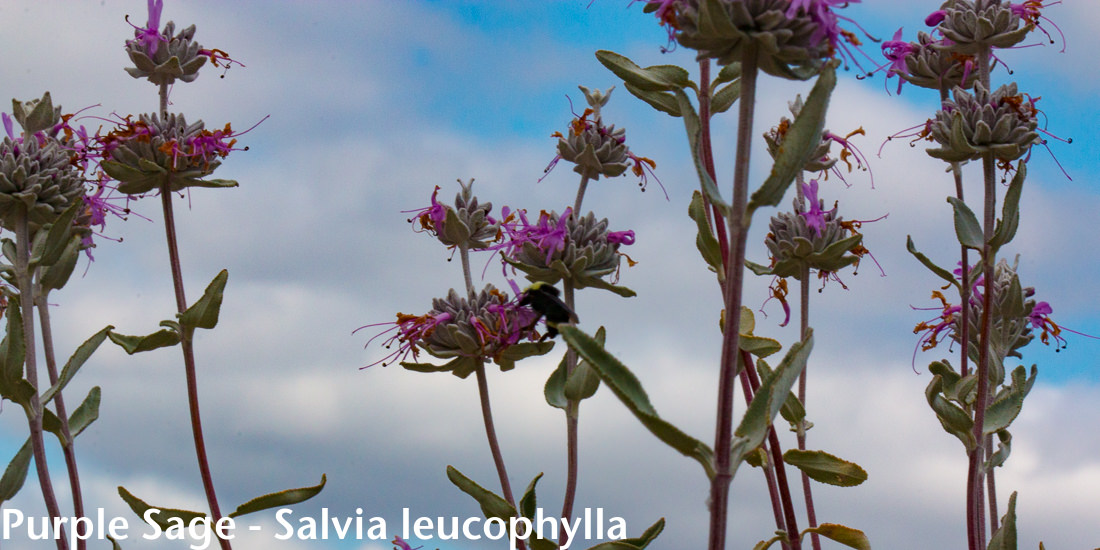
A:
371, 105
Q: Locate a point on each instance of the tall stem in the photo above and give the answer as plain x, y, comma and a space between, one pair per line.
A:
735, 272
706, 153
34, 407
483, 395
781, 500
572, 421
69, 450
186, 344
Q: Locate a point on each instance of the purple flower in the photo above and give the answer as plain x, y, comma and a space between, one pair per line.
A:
896, 50
815, 216
431, 218
1029, 12
848, 151
935, 18
149, 36
97, 207
546, 236
621, 237
411, 330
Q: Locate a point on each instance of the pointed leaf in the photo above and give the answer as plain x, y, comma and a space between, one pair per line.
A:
765, 544
281, 498
57, 238
77, 360
1004, 448
941, 272
852, 538
692, 128
204, 313
769, 399
801, 140
163, 338
164, 517
724, 99
1010, 211
953, 418
704, 239
967, 229
16, 473
662, 101
1008, 403
582, 383
792, 409
55, 276
86, 413
12, 351
826, 468
658, 78
528, 504
554, 390
1005, 536
629, 390
729, 73
492, 506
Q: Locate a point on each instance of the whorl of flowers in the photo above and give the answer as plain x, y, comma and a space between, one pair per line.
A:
792, 38
491, 326
926, 64
812, 238
164, 56
1002, 123
974, 25
142, 154
467, 223
1015, 317
557, 247
38, 175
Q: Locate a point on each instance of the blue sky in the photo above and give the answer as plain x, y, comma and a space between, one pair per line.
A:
372, 104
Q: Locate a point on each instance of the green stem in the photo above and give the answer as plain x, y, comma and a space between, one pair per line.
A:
68, 449
34, 407
572, 421
186, 344
735, 273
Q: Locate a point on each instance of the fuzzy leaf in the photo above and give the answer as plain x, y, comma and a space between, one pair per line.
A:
629, 390
769, 400
528, 504
692, 128
941, 272
162, 338
1004, 448
57, 238
86, 413
281, 498
826, 468
967, 228
1010, 211
723, 99
662, 101
852, 538
12, 354
792, 409
56, 275
1008, 403
658, 78
953, 418
704, 240
16, 473
803, 137
164, 517
1004, 538
204, 313
492, 506
77, 360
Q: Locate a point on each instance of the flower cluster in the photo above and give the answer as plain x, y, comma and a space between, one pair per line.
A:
599, 150
468, 223
163, 56
1002, 123
1015, 317
145, 153
792, 38
489, 326
563, 247
820, 160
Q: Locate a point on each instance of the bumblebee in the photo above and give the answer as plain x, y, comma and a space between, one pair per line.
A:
544, 299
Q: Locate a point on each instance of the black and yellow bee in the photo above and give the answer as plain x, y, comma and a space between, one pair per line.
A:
544, 299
